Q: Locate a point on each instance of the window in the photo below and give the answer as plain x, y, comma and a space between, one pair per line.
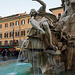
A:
23, 22
11, 24
17, 33
11, 42
28, 30
17, 42
17, 23
0, 35
59, 15
23, 33
11, 34
5, 35
6, 25
0, 43
0, 26
29, 21
6, 43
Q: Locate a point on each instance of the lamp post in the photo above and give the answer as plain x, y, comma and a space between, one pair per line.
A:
13, 39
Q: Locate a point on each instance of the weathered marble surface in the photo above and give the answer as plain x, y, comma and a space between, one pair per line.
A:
51, 45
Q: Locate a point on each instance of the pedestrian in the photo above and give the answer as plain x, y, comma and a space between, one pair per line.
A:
8, 54
3, 54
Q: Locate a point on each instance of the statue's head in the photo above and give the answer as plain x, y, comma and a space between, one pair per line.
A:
33, 12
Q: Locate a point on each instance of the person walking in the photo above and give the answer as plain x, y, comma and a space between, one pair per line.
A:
3, 54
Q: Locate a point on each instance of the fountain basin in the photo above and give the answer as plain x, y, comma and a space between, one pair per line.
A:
15, 68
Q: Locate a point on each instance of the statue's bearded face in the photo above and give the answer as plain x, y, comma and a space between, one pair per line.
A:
33, 12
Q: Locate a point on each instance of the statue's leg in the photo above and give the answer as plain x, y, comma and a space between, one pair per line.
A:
49, 35
48, 32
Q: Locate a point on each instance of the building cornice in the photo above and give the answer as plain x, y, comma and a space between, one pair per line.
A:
5, 19
55, 8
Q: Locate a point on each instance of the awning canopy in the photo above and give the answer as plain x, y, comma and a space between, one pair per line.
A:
5, 47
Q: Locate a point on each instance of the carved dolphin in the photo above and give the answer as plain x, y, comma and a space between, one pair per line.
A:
35, 24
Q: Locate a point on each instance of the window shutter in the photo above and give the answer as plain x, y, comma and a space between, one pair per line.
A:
18, 33
24, 21
4, 34
10, 24
10, 34
16, 23
15, 33
21, 22
7, 34
1, 35
24, 32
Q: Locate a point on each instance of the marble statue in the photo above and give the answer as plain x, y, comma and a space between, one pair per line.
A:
41, 22
66, 27
50, 44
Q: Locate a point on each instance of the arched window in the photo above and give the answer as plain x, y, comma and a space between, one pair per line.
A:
23, 22
17, 23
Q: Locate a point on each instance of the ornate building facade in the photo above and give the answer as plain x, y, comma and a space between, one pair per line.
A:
58, 11
13, 28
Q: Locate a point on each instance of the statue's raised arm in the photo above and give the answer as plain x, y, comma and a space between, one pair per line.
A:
42, 9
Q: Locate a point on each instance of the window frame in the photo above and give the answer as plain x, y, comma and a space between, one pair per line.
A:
0, 35
29, 21
6, 25
11, 34
6, 43
11, 24
16, 33
60, 15
11, 42
0, 43
23, 22
22, 32
17, 42
17, 23
6, 35
0, 25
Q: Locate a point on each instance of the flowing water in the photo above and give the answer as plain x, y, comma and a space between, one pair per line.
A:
19, 58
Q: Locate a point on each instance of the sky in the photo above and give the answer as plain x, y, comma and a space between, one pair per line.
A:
11, 7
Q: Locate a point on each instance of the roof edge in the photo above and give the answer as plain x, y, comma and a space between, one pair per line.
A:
55, 8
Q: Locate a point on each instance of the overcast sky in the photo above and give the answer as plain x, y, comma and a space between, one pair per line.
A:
11, 7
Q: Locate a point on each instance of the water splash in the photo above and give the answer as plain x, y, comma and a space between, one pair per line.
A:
21, 63
20, 55
13, 73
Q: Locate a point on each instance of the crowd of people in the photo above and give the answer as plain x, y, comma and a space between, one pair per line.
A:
7, 54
